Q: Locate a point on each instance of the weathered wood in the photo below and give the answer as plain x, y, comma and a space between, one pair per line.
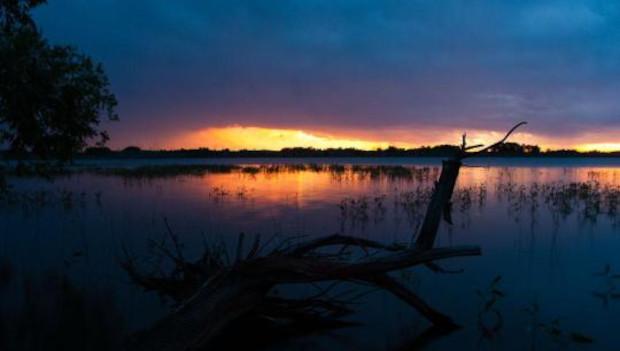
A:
444, 187
240, 290
220, 302
440, 199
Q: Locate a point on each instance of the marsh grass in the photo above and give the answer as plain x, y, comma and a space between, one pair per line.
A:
410, 204
589, 200
490, 317
553, 329
337, 171
608, 291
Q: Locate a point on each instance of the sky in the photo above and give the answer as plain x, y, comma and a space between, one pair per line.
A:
274, 73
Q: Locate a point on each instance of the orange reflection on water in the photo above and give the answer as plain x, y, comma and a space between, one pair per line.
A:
306, 188
300, 187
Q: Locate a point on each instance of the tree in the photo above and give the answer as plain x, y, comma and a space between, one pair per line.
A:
97, 151
132, 150
52, 97
531, 149
16, 13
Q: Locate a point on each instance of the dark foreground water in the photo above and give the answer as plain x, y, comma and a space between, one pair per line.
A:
549, 231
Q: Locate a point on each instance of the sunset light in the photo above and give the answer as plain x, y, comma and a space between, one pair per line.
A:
258, 138
603, 147
268, 175
238, 137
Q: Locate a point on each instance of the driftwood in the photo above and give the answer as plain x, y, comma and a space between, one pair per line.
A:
213, 296
244, 288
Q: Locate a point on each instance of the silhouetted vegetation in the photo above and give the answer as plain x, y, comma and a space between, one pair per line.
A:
508, 150
97, 151
52, 97
132, 149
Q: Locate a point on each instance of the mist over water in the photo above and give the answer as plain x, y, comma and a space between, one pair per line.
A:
551, 231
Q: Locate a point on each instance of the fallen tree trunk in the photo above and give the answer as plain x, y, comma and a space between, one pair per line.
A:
243, 288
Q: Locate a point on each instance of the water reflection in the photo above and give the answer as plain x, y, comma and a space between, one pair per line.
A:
545, 230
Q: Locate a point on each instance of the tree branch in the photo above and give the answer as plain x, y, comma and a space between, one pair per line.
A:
472, 154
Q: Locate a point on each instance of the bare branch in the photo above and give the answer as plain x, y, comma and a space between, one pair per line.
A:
473, 147
402, 292
337, 239
471, 154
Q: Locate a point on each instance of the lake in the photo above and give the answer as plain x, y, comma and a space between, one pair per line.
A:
549, 231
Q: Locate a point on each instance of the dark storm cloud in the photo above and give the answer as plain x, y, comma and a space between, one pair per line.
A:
363, 64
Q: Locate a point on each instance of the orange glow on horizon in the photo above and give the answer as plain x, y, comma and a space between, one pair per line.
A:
603, 147
258, 138
263, 138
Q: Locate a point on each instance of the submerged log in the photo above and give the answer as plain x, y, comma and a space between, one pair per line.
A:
244, 288
213, 296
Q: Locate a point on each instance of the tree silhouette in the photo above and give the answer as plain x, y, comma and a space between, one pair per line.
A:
52, 97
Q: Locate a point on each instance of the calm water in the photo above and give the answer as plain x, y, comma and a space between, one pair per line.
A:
545, 237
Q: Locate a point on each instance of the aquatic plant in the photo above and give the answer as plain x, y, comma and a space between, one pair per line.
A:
355, 209
413, 204
609, 290
554, 329
373, 172
490, 318
588, 199
218, 193
378, 207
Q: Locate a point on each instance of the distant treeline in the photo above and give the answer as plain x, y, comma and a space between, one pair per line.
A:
504, 150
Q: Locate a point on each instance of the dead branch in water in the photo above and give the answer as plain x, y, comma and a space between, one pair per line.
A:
440, 204
244, 288
212, 296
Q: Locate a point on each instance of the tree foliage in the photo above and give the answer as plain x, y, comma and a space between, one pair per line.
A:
52, 97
